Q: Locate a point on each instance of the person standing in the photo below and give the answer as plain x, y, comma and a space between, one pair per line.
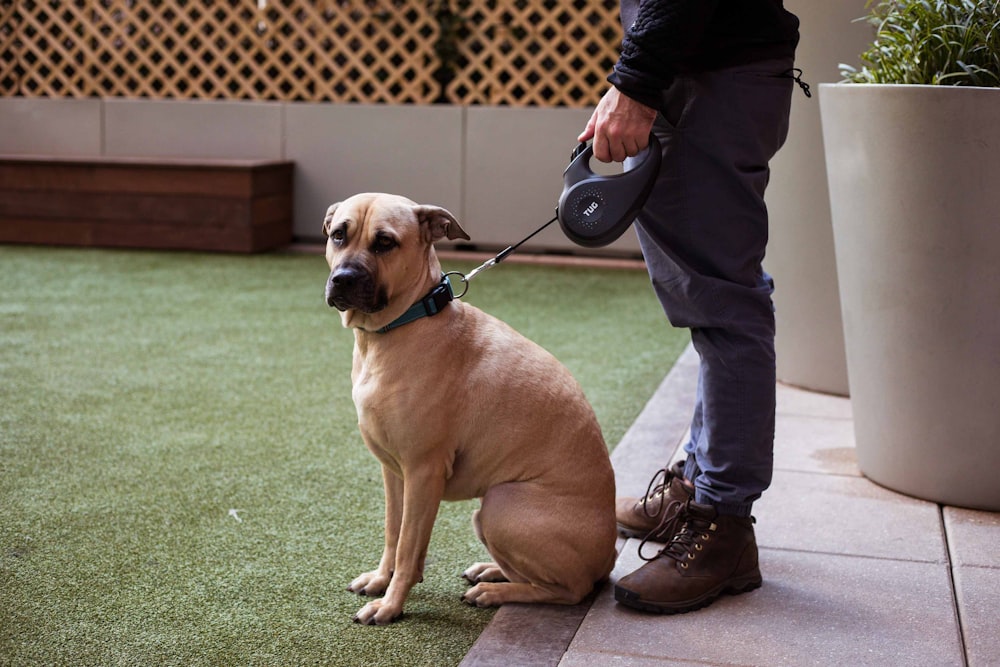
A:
713, 80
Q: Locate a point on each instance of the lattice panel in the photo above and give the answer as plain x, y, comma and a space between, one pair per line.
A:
9, 73
518, 52
368, 51
51, 47
181, 50
525, 52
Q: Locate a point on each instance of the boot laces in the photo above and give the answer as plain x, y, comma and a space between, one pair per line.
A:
657, 488
687, 541
673, 512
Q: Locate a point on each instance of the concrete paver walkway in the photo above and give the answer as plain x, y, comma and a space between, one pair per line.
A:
854, 574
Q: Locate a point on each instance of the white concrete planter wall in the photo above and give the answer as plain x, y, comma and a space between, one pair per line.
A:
800, 256
914, 177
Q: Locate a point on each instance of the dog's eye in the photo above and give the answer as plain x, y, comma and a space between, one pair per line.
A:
383, 243
338, 235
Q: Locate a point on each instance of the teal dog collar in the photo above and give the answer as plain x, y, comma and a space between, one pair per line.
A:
430, 305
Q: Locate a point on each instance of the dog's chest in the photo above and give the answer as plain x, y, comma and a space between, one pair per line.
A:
365, 391
382, 397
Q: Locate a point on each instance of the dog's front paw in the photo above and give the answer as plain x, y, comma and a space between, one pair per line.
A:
378, 612
370, 583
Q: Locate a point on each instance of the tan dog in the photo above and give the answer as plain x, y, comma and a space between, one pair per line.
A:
458, 405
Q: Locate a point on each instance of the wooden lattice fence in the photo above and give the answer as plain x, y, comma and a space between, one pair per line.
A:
513, 52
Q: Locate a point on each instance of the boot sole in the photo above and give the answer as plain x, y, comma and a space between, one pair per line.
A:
737, 586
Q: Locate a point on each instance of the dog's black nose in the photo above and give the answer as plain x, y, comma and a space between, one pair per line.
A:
344, 277
343, 285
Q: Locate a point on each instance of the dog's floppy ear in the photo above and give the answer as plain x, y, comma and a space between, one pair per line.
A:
438, 223
328, 220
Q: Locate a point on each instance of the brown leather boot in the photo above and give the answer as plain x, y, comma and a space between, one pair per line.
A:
710, 555
650, 517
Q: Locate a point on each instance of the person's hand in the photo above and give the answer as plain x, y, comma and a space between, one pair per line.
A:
619, 126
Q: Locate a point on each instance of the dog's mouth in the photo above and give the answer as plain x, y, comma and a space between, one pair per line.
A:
344, 304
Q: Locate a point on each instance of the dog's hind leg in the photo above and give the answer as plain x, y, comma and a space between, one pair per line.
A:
547, 553
493, 586
478, 572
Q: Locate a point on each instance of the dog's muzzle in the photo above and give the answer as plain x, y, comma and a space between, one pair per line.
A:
351, 287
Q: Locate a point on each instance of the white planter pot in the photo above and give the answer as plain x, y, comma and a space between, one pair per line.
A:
810, 339
914, 180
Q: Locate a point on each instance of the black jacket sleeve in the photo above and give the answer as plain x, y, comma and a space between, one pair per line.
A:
669, 37
664, 34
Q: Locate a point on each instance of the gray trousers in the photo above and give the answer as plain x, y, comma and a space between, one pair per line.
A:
703, 233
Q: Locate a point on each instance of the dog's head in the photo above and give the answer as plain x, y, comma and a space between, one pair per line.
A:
381, 256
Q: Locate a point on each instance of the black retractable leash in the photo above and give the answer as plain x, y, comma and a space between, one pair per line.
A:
593, 209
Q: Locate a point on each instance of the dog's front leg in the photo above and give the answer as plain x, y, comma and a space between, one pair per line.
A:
422, 493
375, 582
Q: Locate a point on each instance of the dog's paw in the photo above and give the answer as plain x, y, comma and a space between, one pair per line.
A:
478, 572
370, 583
378, 612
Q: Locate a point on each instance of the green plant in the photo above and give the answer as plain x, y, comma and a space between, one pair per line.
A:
938, 42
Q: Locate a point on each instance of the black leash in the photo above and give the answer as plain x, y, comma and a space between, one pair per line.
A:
493, 261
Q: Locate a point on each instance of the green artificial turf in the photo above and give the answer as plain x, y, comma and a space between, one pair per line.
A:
181, 477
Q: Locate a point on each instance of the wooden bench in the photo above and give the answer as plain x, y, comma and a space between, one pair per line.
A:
216, 205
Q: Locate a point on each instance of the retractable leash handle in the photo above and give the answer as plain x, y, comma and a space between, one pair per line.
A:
594, 210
